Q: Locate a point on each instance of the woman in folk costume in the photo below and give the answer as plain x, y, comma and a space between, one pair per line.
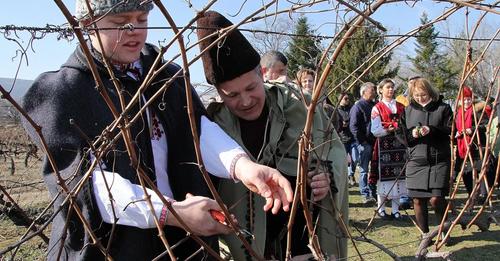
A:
389, 155
467, 120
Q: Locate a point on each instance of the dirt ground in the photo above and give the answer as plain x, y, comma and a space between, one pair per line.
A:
24, 185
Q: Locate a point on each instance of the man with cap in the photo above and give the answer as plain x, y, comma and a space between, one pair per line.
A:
111, 200
267, 120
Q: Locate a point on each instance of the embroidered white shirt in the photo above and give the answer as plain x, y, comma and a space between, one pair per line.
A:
127, 206
376, 125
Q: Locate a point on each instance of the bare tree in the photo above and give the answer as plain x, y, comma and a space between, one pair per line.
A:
271, 34
461, 53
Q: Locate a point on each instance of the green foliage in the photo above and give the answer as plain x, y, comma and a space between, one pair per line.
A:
430, 63
303, 50
365, 42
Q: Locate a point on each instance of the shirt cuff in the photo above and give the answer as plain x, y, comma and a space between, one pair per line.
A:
219, 151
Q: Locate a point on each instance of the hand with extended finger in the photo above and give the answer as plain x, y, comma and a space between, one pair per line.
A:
265, 181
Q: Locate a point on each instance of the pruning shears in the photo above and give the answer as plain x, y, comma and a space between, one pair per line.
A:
221, 218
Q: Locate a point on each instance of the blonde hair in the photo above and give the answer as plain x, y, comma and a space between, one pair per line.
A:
422, 84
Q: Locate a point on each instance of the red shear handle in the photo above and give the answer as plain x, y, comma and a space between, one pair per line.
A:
218, 216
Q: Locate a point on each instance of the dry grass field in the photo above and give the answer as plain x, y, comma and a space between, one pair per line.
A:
24, 185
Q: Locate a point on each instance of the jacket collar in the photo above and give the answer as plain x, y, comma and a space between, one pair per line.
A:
78, 60
428, 107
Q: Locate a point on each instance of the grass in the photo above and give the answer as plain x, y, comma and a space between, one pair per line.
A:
402, 237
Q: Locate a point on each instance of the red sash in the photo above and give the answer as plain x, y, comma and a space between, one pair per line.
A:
388, 118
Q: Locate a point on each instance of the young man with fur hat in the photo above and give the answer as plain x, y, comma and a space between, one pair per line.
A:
123, 223
267, 119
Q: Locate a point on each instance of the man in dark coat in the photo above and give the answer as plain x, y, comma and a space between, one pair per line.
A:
360, 116
70, 111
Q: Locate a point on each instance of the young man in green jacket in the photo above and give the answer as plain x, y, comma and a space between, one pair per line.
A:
268, 120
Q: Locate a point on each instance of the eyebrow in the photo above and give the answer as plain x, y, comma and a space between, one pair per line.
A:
228, 93
122, 15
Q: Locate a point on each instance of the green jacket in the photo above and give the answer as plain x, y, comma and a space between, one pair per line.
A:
287, 116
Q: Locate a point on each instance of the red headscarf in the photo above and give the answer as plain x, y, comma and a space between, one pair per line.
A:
467, 92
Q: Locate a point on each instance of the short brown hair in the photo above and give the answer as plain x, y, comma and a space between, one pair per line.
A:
302, 73
384, 82
423, 84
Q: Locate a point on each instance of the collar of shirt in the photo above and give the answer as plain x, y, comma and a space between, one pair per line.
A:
391, 105
133, 69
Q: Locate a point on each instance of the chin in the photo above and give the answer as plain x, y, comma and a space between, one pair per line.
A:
132, 59
129, 58
249, 117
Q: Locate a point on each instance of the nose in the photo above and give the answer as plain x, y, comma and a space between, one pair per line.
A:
245, 99
133, 26
129, 27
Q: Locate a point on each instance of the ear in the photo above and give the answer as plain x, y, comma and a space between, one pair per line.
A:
263, 70
219, 91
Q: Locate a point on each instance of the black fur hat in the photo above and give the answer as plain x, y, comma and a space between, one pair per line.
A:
231, 57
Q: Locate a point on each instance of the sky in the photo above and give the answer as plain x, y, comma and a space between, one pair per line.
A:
49, 53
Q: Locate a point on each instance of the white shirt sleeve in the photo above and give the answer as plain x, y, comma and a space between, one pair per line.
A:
217, 149
128, 204
376, 125
127, 201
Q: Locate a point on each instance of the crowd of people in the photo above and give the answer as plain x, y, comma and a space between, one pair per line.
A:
401, 145
248, 142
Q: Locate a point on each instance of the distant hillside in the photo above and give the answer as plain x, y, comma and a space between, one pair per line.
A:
8, 114
20, 87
